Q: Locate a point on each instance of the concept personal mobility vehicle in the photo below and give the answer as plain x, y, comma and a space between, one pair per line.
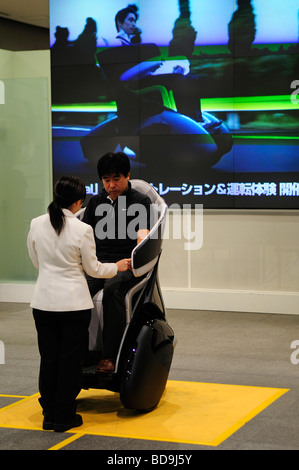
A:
159, 113
147, 346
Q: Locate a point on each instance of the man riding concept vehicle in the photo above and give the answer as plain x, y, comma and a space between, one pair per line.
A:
155, 98
135, 354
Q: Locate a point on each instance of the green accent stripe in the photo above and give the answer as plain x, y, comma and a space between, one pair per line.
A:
85, 108
246, 103
266, 137
249, 103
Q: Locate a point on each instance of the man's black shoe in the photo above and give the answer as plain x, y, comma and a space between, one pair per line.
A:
73, 423
47, 425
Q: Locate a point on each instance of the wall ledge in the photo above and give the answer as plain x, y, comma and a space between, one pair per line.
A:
279, 302
232, 300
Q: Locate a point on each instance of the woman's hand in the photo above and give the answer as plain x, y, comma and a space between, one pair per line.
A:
124, 264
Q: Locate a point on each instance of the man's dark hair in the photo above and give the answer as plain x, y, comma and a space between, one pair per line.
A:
113, 164
121, 15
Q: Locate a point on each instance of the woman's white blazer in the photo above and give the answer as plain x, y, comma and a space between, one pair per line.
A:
61, 260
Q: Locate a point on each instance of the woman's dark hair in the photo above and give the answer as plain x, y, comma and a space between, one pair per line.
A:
121, 15
67, 190
113, 164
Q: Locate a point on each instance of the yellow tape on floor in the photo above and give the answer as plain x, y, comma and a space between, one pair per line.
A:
189, 412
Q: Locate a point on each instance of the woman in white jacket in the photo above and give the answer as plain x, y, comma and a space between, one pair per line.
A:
62, 248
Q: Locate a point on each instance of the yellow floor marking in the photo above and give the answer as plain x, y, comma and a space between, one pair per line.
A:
13, 396
66, 441
189, 412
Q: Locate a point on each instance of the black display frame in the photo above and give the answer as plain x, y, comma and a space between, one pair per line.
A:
248, 99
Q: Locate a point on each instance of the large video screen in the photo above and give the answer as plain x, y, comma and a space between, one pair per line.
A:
202, 95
